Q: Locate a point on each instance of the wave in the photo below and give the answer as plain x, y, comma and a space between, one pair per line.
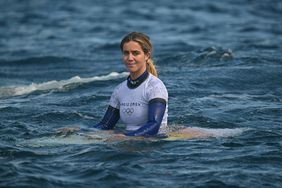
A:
56, 85
209, 56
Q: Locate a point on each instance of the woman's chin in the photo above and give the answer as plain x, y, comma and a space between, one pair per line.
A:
131, 69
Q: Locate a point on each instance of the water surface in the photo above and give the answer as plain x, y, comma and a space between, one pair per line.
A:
220, 60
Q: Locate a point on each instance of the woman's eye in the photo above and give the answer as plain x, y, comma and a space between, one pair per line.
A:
135, 53
125, 53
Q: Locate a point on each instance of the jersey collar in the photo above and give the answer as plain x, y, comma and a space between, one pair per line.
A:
135, 83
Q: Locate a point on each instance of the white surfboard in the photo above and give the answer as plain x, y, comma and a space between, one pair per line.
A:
99, 137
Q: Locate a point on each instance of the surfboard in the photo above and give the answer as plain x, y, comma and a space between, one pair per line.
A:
200, 133
100, 137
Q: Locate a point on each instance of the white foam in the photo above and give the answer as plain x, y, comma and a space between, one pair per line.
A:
57, 85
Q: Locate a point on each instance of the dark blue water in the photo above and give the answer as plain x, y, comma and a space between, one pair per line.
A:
220, 60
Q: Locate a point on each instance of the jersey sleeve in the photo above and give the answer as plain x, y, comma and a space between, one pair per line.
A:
109, 120
114, 101
156, 113
156, 89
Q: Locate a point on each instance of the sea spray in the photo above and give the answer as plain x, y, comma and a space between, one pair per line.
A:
57, 85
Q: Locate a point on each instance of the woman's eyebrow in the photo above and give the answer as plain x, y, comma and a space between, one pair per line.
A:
131, 50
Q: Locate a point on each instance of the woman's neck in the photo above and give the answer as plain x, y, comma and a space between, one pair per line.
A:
133, 83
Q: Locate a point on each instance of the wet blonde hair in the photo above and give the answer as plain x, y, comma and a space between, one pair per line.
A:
144, 41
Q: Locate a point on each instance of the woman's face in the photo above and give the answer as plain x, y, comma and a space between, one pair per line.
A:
134, 59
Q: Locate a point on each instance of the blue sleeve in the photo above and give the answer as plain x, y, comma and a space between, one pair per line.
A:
109, 120
156, 112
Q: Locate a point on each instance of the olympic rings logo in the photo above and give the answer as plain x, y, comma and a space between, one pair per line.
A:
128, 111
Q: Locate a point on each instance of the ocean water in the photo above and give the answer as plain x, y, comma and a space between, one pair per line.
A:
220, 60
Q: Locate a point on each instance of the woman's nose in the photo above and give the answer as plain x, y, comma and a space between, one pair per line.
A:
130, 56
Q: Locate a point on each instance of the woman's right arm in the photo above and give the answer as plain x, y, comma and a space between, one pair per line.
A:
109, 120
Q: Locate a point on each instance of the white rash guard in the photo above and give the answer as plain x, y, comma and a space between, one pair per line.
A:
133, 102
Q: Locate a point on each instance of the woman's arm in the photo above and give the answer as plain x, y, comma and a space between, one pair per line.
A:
156, 112
109, 120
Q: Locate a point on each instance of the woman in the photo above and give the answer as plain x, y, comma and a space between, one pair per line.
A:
141, 100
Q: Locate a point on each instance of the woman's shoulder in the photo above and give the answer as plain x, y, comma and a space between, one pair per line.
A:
154, 81
120, 85
156, 88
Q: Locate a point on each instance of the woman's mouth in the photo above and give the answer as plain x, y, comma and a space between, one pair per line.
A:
131, 64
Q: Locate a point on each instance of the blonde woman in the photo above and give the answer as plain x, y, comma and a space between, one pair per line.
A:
141, 100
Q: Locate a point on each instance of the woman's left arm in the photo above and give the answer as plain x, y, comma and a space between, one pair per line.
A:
157, 107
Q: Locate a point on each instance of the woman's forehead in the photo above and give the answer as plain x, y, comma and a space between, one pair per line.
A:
132, 45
